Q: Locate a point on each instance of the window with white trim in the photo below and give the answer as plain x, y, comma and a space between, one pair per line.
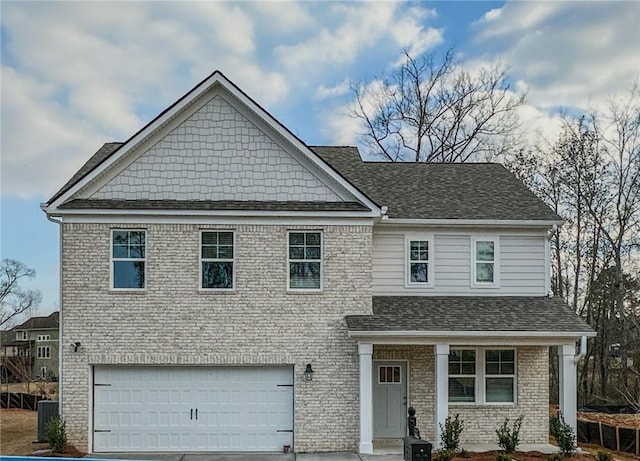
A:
43, 372
22, 336
482, 376
44, 337
419, 261
128, 254
305, 260
44, 352
216, 260
485, 262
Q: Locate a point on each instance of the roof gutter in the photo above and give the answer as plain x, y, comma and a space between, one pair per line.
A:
497, 223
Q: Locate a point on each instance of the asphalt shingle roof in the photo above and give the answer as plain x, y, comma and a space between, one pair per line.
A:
37, 323
438, 190
467, 313
485, 191
80, 204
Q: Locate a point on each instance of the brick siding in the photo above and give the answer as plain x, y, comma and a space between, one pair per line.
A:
172, 323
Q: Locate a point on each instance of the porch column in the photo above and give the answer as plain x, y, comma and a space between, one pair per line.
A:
567, 384
365, 351
442, 389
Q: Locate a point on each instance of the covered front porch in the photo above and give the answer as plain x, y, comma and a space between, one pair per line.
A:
412, 354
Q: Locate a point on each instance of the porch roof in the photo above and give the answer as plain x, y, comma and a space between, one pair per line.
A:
473, 315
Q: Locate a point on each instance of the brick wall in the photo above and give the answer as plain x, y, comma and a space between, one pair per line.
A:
480, 422
172, 323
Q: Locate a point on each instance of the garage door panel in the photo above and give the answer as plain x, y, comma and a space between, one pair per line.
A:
238, 408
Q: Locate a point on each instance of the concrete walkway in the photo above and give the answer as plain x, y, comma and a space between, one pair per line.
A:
390, 453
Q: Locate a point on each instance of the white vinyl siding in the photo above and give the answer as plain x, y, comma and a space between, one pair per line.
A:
521, 267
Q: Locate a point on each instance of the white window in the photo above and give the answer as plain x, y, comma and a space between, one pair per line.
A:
216, 260
419, 261
485, 254
21, 336
44, 337
305, 261
44, 352
128, 252
482, 376
43, 372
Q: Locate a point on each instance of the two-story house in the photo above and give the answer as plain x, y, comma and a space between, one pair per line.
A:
227, 287
30, 351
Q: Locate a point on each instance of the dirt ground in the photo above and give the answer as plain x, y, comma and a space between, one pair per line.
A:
630, 421
35, 388
18, 430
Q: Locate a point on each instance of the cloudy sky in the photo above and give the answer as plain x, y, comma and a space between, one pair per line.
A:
78, 74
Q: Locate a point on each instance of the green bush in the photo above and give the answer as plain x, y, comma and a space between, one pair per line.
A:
451, 431
566, 437
554, 426
604, 456
464, 453
509, 438
55, 433
502, 456
443, 455
555, 457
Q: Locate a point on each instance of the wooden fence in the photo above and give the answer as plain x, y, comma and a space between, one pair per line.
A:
19, 400
610, 437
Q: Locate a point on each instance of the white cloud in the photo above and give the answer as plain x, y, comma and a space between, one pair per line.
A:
355, 27
569, 54
79, 74
342, 88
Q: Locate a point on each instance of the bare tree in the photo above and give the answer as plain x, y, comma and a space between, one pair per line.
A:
433, 110
14, 300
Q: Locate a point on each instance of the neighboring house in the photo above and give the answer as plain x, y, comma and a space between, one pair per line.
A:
233, 289
30, 350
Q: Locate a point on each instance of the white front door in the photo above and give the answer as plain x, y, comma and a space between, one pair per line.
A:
389, 399
193, 408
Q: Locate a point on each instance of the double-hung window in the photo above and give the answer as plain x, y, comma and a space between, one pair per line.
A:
216, 256
500, 369
482, 376
419, 261
128, 254
305, 261
485, 262
462, 375
44, 352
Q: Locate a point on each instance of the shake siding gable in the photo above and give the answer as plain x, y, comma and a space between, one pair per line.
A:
216, 153
521, 264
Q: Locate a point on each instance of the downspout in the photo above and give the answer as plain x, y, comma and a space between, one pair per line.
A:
583, 349
60, 322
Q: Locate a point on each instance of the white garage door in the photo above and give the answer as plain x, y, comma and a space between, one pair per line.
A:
192, 408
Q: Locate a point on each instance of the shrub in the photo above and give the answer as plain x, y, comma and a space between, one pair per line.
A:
443, 455
502, 456
509, 439
451, 431
465, 454
55, 434
604, 456
554, 426
566, 437
555, 457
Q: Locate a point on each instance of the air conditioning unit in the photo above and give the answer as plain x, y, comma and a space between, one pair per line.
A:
47, 410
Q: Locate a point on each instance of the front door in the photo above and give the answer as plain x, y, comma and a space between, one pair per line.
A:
389, 399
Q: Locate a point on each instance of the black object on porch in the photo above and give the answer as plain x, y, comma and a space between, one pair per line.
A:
415, 449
